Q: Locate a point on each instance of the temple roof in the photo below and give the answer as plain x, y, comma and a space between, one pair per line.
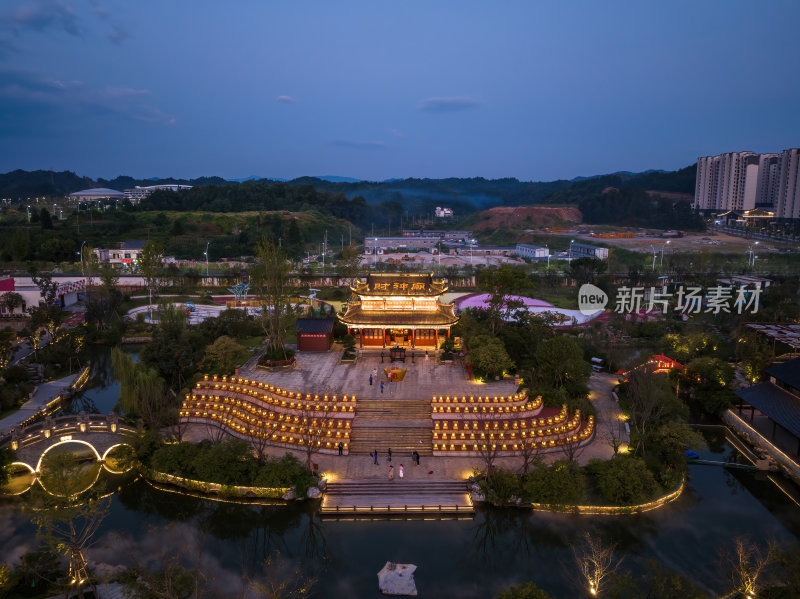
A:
356, 317
407, 284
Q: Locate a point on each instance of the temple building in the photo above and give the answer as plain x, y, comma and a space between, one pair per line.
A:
398, 309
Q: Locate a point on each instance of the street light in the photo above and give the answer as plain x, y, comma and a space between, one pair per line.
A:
547, 247
751, 261
652, 247
80, 255
661, 261
569, 259
206, 255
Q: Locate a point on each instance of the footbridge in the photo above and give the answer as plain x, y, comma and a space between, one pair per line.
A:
100, 432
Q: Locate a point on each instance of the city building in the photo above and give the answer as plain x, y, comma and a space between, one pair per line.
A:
532, 251
443, 212
583, 250
97, 194
402, 310
381, 245
773, 407
485, 250
126, 256
138, 193
787, 204
744, 181
314, 334
449, 236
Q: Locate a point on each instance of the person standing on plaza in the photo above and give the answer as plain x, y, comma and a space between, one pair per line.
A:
370, 380
381, 386
391, 472
389, 454
401, 472
375, 457
341, 448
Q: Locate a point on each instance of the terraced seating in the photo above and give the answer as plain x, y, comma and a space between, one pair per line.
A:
548, 431
282, 398
257, 410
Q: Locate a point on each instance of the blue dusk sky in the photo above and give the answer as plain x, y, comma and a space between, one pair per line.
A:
374, 90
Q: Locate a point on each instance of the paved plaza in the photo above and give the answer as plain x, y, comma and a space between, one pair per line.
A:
322, 371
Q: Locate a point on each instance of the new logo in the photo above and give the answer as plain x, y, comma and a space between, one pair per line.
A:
591, 299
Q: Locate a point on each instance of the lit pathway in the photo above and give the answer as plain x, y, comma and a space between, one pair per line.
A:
42, 395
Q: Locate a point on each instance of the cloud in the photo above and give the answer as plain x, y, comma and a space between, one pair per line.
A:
285, 100
118, 34
398, 133
41, 15
450, 104
28, 98
358, 145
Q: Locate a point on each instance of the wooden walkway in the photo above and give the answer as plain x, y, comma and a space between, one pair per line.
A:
396, 497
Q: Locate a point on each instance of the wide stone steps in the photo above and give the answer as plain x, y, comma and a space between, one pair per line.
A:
396, 497
389, 409
401, 440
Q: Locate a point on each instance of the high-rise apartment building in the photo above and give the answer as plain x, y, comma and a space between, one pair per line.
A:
742, 181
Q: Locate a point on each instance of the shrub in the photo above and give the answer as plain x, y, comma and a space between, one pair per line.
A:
500, 486
559, 484
526, 590
624, 480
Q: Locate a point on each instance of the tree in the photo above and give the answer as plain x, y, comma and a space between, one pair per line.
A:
559, 362
142, 391
351, 263
586, 270
650, 399
488, 356
624, 479
222, 356
755, 355
596, 561
12, 300
527, 590
150, 265
710, 379
501, 283
488, 448
311, 431
48, 288
562, 483
747, 565
270, 278
44, 219
6, 457
65, 521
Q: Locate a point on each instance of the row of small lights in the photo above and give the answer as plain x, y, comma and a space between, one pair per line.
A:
242, 430
537, 432
557, 419
301, 404
585, 433
481, 399
229, 404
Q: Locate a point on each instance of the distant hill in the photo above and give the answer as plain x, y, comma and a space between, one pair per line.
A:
413, 198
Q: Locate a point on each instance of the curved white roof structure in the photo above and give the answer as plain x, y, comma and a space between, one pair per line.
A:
98, 193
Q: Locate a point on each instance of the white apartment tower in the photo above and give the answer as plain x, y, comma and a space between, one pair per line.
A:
788, 200
741, 181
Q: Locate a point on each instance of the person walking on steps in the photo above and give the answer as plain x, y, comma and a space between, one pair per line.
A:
389, 454
375, 457
401, 472
391, 472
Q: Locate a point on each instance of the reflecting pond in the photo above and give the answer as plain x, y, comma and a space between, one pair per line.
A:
471, 558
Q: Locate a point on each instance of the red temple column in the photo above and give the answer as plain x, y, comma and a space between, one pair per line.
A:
413, 337
383, 337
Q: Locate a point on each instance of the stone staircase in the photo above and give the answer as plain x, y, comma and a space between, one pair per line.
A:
404, 425
371, 497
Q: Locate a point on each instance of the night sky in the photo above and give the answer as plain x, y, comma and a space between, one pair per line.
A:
374, 89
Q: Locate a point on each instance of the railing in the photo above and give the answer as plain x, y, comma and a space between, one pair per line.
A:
397, 509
